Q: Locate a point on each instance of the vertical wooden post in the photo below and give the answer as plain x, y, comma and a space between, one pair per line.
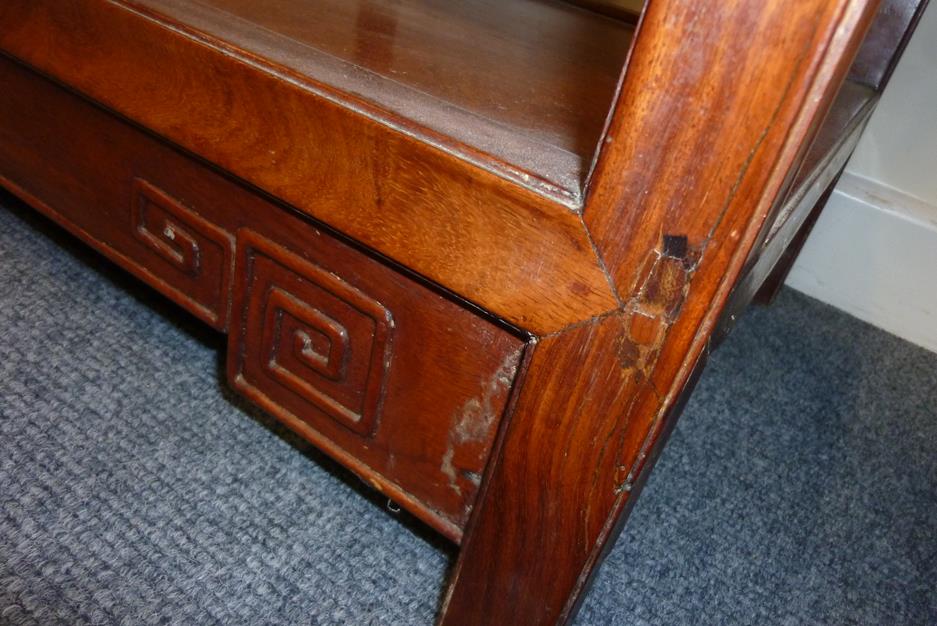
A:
718, 103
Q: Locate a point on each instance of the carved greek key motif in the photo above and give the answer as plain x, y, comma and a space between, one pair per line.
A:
319, 338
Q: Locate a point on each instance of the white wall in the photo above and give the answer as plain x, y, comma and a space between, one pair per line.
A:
899, 147
873, 252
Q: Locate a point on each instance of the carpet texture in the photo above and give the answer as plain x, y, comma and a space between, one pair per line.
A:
799, 488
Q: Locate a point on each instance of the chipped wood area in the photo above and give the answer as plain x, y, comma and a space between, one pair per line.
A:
668, 271
471, 427
646, 322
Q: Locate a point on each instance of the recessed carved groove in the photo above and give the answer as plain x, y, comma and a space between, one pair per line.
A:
154, 225
197, 253
290, 336
317, 340
320, 338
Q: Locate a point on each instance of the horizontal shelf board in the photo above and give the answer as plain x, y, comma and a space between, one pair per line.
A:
523, 85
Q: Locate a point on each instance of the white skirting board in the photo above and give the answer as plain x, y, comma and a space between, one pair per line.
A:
873, 254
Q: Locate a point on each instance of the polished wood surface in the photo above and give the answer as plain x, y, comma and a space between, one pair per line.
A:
497, 352
455, 221
774, 257
675, 214
535, 94
429, 402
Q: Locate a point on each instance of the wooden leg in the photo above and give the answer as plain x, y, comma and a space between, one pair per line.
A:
570, 463
675, 234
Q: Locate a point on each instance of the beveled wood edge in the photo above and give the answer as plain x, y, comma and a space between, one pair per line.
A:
846, 35
468, 246
432, 518
572, 198
827, 71
388, 488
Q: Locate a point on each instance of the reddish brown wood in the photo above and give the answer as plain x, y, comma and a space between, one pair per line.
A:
455, 217
424, 385
675, 215
57, 161
713, 153
535, 97
443, 374
775, 254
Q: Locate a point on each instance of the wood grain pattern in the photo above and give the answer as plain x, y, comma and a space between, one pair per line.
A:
791, 223
875, 62
48, 158
535, 95
527, 444
444, 391
312, 337
441, 380
715, 106
202, 252
675, 213
496, 243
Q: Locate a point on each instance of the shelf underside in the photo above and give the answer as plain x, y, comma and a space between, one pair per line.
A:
848, 113
851, 102
521, 85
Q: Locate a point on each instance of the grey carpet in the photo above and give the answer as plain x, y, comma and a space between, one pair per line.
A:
799, 487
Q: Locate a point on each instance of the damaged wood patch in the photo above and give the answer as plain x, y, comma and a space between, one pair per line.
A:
661, 294
667, 274
647, 320
472, 426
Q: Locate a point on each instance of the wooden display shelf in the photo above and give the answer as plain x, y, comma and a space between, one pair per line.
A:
460, 246
536, 78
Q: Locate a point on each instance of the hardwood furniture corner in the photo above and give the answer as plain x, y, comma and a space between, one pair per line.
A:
478, 251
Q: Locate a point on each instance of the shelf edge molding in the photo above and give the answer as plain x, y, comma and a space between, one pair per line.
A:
451, 221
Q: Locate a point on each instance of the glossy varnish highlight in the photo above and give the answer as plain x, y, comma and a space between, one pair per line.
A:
493, 237
401, 384
535, 77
